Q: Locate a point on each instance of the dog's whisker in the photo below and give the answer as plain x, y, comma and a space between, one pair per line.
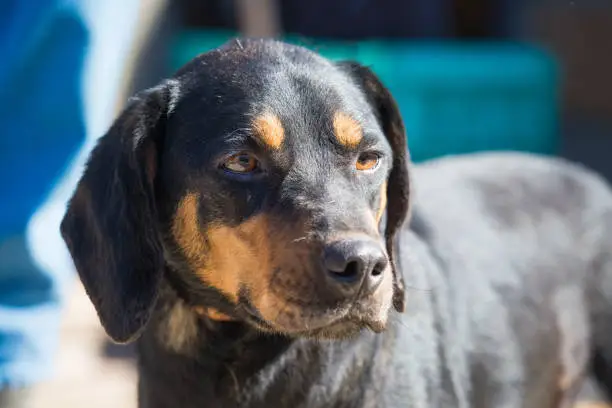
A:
429, 291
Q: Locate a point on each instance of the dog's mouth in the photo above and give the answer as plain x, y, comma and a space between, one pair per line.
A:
251, 315
338, 324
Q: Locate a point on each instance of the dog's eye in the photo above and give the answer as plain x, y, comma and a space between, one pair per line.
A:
367, 161
241, 163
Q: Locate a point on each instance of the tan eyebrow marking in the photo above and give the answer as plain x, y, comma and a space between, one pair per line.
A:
347, 130
269, 129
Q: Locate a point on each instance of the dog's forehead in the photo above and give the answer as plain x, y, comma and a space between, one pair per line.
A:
265, 82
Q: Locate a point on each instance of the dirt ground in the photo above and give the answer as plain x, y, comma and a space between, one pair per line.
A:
88, 373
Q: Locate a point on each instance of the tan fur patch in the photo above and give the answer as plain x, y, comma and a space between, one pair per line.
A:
269, 129
233, 261
347, 130
186, 228
229, 258
383, 202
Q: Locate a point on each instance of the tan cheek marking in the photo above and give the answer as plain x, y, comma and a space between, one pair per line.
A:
591, 404
253, 257
269, 129
268, 240
199, 251
237, 257
383, 202
347, 130
229, 258
224, 259
185, 228
268, 288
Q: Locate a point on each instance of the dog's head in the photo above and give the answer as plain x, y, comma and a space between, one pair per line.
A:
257, 178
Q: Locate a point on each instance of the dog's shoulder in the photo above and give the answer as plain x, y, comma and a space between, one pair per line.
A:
511, 228
499, 215
512, 190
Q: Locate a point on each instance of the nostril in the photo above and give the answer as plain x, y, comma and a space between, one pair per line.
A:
379, 268
350, 273
350, 262
351, 270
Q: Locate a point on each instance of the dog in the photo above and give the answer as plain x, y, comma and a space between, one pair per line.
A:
254, 223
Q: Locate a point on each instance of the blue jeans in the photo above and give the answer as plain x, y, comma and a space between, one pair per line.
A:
62, 62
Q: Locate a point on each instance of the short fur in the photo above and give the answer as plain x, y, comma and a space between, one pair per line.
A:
507, 258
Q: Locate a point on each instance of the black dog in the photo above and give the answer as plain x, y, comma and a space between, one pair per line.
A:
246, 222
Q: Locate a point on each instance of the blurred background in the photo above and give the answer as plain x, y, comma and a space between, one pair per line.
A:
469, 75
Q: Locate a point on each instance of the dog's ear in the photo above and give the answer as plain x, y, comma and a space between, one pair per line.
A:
110, 226
398, 187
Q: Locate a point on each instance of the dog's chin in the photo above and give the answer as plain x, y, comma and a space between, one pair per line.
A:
339, 322
337, 329
343, 330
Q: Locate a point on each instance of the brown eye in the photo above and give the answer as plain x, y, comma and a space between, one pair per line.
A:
367, 161
241, 163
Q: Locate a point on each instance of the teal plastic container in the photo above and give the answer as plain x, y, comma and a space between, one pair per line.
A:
460, 98
454, 97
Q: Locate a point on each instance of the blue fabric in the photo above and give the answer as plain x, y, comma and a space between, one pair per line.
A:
42, 48
60, 76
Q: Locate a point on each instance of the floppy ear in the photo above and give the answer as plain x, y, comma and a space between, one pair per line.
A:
110, 226
398, 187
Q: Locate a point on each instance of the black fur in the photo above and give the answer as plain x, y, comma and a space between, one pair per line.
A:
122, 265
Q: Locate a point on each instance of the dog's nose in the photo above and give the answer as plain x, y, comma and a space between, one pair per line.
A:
351, 263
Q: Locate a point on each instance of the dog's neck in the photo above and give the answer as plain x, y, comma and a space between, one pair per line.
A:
210, 363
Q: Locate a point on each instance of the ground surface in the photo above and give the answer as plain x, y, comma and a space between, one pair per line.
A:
86, 375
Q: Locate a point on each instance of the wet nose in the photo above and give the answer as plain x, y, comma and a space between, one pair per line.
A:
353, 263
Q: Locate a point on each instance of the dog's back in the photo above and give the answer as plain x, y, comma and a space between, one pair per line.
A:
523, 246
